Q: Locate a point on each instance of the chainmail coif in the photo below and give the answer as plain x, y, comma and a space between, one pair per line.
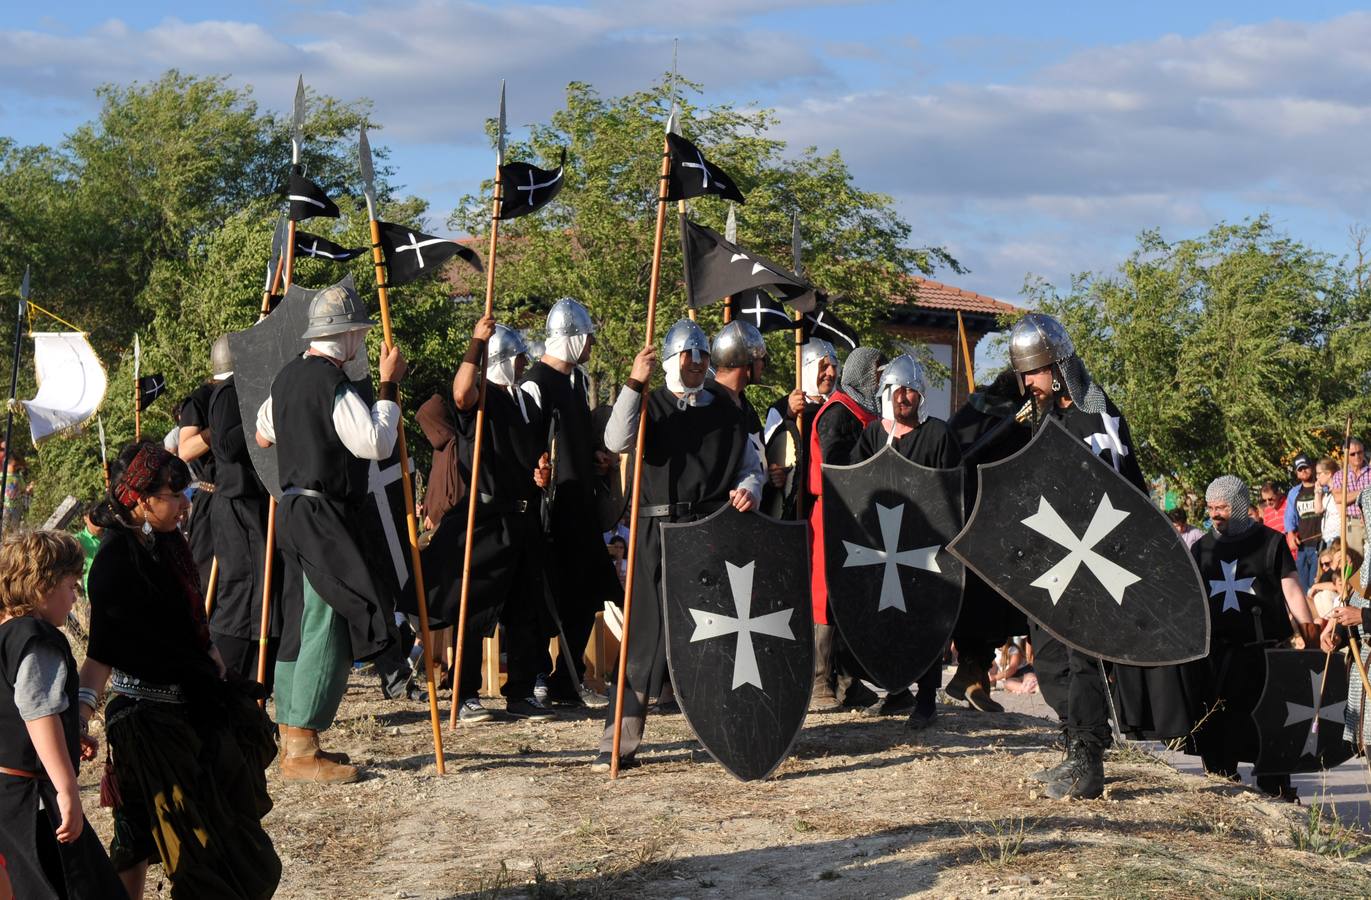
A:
1232, 490
861, 378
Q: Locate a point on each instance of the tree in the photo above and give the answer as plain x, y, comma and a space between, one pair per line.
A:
1229, 353
594, 242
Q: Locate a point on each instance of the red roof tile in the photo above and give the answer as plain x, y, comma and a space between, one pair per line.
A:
936, 295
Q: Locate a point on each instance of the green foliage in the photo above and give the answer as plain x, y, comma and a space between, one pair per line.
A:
1229, 353
595, 241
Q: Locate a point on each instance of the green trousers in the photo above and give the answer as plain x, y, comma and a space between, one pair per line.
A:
309, 688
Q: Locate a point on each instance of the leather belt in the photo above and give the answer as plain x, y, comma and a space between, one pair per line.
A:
206, 486
683, 508
17, 773
304, 492
500, 505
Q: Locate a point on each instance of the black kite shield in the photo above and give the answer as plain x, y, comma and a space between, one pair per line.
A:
1067, 540
739, 634
1299, 728
894, 590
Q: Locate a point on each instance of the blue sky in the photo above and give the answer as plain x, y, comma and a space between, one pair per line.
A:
1028, 138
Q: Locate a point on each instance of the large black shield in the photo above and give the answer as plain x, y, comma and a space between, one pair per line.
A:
739, 634
894, 590
1066, 539
1299, 717
259, 354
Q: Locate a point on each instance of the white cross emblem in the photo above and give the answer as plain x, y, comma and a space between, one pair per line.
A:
926, 558
418, 245
704, 170
531, 187
377, 481
1295, 713
303, 199
1231, 586
313, 250
1049, 523
1108, 439
712, 625
759, 310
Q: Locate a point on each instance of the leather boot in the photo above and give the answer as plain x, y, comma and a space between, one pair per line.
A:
303, 761
1083, 778
822, 698
965, 675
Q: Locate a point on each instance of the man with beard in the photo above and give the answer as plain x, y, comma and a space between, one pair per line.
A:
325, 435
696, 458
837, 428
585, 574
1254, 593
906, 428
786, 432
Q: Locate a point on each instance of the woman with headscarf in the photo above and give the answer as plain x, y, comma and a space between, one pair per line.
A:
188, 749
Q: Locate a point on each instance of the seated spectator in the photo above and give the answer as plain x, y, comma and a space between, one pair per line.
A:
1013, 668
1181, 522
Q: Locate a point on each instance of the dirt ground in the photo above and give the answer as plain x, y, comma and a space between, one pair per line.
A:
861, 809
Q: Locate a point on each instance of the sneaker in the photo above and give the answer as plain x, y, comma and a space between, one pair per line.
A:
592, 699
473, 713
601, 763
540, 691
529, 708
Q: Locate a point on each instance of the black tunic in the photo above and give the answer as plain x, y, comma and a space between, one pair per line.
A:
239, 521
200, 525
37, 865
507, 547
692, 456
321, 534
931, 444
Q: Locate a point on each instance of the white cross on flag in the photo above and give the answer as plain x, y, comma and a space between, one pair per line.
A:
307, 199
411, 253
692, 175
526, 188
307, 244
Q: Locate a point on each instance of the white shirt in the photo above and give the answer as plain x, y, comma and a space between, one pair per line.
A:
369, 432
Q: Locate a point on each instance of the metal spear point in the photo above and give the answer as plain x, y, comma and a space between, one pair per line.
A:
24, 294
368, 173
795, 244
100, 426
731, 225
297, 135
500, 129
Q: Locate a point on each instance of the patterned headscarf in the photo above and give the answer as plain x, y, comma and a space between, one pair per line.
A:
141, 472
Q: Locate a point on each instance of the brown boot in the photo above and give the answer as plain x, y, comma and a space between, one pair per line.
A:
822, 698
303, 761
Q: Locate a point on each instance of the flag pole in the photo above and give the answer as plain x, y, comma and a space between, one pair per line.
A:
14, 387
137, 406
473, 491
634, 504
730, 235
967, 367
407, 484
104, 454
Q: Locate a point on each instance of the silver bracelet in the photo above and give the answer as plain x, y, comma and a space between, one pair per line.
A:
89, 697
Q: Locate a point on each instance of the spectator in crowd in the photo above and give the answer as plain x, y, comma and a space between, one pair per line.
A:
1181, 522
1347, 486
1303, 522
1272, 507
618, 552
1013, 667
1326, 593
1254, 513
1331, 524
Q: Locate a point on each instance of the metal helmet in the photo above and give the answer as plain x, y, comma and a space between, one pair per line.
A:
685, 335
505, 343
1038, 340
336, 310
220, 356
904, 371
816, 349
737, 344
568, 318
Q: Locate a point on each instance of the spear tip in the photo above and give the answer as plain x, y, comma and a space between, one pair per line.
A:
731, 225
24, 286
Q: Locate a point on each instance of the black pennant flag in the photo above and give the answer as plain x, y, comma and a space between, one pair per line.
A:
692, 175
411, 253
715, 268
822, 323
760, 310
526, 189
307, 244
307, 199
150, 387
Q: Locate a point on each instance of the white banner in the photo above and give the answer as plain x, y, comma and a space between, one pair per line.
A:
71, 384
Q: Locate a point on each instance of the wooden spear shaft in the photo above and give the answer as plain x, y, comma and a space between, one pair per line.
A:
411, 522
967, 368
285, 271
209, 588
631, 568
473, 491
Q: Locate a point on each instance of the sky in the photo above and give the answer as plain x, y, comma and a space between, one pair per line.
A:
1029, 139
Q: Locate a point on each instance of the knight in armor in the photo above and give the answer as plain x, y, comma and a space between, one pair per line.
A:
906, 427
193, 447
1254, 593
696, 458
239, 521
585, 573
1045, 362
837, 428
325, 435
738, 354
507, 547
786, 432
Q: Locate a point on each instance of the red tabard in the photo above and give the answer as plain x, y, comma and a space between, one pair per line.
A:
818, 581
